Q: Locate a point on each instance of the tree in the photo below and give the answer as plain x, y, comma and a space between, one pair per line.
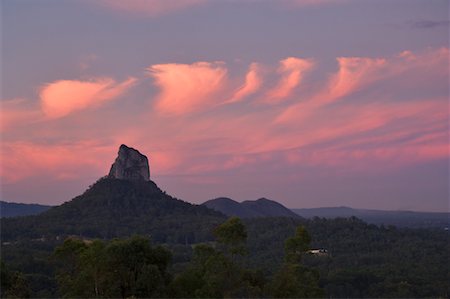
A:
296, 246
137, 268
119, 268
294, 280
232, 235
13, 284
70, 276
215, 273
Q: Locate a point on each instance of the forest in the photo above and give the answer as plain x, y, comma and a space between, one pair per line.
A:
261, 257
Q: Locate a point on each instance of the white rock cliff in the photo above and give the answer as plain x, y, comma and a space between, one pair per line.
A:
130, 164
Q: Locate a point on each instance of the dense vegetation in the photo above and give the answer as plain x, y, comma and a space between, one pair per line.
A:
193, 252
133, 267
118, 208
12, 209
262, 207
398, 218
363, 261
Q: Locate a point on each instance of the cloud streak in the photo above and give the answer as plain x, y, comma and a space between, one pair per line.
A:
185, 88
148, 8
429, 24
358, 73
364, 116
253, 81
61, 161
313, 3
61, 98
17, 112
292, 70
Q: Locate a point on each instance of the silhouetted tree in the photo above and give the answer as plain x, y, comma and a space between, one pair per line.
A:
294, 280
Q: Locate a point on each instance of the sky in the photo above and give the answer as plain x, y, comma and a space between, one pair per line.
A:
312, 103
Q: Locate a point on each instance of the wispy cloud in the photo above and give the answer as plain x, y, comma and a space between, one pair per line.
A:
429, 24
292, 70
253, 81
312, 3
61, 98
61, 161
148, 8
188, 87
357, 73
365, 114
18, 112
353, 74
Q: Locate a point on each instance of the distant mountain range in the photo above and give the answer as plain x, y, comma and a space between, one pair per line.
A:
12, 209
269, 208
262, 207
127, 202
381, 217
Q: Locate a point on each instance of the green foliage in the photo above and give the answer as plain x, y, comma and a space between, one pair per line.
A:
296, 246
294, 280
114, 208
215, 273
13, 283
120, 268
232, 235
364, 261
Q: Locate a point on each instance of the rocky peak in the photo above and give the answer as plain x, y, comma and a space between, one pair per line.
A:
130, 164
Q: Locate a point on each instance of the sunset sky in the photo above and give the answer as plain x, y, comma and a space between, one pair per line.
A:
310, 103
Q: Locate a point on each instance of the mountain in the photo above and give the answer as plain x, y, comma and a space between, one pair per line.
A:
230, 207
12, 209
250, 208
379, 217
327, 212
268, 208
124, 203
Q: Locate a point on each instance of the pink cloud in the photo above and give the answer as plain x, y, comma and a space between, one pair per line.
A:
357, 73
429, 58
253, 82
17, 112
61, 98
21, 159
372, 159
149, 8
292, 70
312, 3
188, 87
353, 74
371, 130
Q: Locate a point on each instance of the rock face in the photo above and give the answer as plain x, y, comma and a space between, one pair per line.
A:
130, 164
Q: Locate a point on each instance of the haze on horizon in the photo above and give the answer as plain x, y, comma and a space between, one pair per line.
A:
309, 103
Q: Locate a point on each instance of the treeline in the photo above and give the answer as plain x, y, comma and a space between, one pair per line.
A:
134, 267
364, 261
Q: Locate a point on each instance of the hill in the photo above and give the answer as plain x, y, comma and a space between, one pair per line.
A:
12, 209
124, 203
262, 207
230, 207
379, 217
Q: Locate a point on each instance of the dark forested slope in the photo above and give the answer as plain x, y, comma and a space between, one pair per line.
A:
13, 209
113, 208
363, 260
379, 217
262, 207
